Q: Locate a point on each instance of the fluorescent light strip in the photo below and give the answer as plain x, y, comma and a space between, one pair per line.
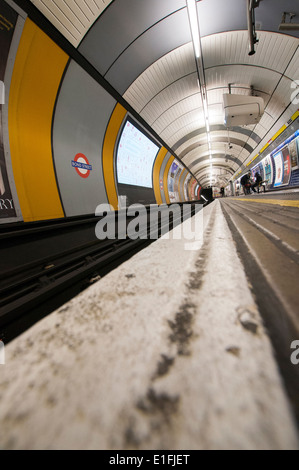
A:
195, 32
205, 107
194, 25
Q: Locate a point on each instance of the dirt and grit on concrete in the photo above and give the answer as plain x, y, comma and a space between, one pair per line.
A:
166, 352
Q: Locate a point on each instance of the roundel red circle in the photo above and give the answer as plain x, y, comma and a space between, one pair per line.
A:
80, 158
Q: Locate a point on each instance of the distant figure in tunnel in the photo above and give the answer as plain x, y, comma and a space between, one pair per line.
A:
222, 190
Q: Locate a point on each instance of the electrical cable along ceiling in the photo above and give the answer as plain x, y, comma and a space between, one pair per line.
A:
146, 51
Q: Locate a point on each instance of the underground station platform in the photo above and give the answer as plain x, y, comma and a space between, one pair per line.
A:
184, 346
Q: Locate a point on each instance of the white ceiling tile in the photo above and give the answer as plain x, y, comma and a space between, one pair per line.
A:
166, 95
73, 18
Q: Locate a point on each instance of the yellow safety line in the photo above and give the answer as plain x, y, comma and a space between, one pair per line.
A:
277, 202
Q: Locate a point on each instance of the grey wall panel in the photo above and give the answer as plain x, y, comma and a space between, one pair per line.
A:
120, 25
219, 16
171, 33
125, 21
216, 16
82, 113
162, 170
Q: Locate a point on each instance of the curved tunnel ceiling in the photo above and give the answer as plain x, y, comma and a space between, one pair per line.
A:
144, 50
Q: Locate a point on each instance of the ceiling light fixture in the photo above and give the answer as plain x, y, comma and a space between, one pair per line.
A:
205, 107
194, 26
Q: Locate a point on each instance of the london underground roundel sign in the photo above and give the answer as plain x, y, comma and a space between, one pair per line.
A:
81, 165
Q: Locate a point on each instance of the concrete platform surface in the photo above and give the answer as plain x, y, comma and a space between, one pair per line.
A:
166, 352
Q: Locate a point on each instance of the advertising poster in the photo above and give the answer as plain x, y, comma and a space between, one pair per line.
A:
261, 170
187, 181
194, 183
287, 170
8, 20
176, 184
196, 191
189, 189
293, 149
258, 169
135, 157
279, 164
171, 179
268, 170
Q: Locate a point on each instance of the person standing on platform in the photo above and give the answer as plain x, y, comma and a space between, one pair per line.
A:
245, 182
258, 180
